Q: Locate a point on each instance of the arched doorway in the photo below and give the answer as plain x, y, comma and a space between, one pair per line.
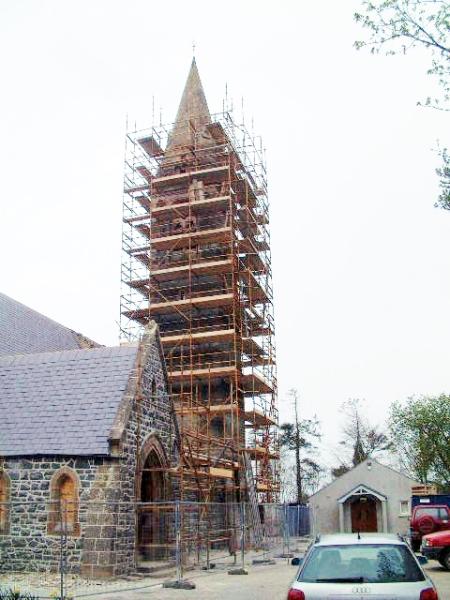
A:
364, 515
363, 509
151, 521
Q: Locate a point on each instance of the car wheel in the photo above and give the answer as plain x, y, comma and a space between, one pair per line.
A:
415, 545
445, 559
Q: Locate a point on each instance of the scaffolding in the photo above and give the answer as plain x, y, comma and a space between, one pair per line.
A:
196, 259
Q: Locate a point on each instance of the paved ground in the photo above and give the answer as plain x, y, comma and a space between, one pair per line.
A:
441, 579
266, 582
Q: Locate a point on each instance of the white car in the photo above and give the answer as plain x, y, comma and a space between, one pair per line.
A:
362, 566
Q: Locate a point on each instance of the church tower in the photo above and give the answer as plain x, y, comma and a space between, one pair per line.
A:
196, 259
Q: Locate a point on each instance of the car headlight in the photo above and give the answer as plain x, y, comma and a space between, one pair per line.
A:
427, 543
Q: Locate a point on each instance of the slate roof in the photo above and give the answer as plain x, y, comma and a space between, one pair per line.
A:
62, 403
24, 330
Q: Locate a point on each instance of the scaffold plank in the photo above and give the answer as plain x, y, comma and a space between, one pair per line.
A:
196, 206
160, 181
218, 234
215, 267
220, 335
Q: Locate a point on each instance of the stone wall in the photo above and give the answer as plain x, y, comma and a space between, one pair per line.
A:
150, 422
148, 415
106, 545
27, 545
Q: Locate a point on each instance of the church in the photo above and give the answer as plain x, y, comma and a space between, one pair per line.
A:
90, 434
79, 423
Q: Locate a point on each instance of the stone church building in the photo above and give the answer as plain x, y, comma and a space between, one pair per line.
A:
79, 425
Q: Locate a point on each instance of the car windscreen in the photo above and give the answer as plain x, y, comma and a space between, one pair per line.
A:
432, 512
359, 563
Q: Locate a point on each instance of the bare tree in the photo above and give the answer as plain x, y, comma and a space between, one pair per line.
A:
360, 439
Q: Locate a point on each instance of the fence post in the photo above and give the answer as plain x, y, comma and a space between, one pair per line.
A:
240, 570
243, 534
288, 530
62, 545
207, 548
179, 582
178, 541
286, 533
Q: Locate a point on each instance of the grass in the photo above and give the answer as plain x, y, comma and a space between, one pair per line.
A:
12, 594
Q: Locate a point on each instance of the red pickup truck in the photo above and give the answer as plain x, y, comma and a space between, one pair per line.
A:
428, 518
436, 546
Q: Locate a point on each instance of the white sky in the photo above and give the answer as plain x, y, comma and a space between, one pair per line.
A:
361, 258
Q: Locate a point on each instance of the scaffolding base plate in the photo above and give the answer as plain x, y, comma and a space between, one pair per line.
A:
238, 571
180, 584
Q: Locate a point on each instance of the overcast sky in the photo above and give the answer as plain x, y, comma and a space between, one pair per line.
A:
361, 258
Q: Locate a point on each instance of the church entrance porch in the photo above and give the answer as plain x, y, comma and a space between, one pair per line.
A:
362, 510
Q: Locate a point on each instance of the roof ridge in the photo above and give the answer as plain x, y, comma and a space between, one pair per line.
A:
25, 330
32, 357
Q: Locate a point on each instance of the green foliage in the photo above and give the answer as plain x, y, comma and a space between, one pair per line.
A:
309, 429
444, 180
399, 25
340, 470
14, 594
420, 429
299, 437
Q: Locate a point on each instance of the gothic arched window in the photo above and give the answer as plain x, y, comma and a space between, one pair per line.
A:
4, 507
63, 513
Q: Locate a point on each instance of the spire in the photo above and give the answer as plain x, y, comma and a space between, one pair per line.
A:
193, 112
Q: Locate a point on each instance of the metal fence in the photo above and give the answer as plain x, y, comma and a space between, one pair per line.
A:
71, 550
298, 520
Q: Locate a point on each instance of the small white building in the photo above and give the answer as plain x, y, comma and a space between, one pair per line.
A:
370, 497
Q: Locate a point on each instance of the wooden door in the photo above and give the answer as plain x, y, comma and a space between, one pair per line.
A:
151, 520
364, 515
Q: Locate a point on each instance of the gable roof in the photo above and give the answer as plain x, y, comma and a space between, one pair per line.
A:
62, 403
24, 331
361, 490
360, 467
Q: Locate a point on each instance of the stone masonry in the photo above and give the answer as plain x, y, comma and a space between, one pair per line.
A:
104, 542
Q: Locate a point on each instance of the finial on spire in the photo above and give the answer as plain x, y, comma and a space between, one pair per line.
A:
193, 50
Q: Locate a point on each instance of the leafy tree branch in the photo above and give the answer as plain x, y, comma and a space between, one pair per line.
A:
420, 430
400, 25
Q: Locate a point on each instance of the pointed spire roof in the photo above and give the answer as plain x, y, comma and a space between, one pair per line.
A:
193, 112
